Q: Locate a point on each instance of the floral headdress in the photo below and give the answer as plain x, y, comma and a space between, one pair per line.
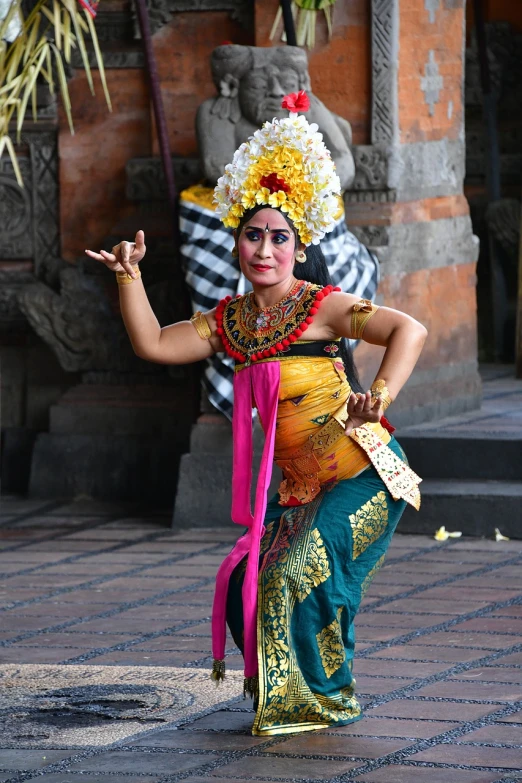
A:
285, 165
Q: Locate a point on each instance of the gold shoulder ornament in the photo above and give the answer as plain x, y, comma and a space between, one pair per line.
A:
361, 314
201, 325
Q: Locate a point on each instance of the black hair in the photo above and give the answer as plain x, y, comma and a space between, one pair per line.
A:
315, 270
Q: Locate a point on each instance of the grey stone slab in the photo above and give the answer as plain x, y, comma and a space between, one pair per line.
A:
456, 456
105, 467
27, 759
144, 762
426, 169
427, 245
71, 777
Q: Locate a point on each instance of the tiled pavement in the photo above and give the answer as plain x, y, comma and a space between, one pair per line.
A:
96, 593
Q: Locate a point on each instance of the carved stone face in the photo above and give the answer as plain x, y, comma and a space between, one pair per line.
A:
262, 89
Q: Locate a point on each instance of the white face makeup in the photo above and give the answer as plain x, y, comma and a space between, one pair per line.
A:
267, 248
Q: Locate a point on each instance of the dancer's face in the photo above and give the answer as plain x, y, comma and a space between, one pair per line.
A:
267, 248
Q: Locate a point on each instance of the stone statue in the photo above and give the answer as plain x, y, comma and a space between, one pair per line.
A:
80, 323
251, 82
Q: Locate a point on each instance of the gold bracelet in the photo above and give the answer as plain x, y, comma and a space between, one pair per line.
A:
123, 278
361, 314
380, 392
202, 328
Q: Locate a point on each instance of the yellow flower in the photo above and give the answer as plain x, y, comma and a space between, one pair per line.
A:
231, 222
295, 212
237, 210
277, 199
262, 196
442, 534
248, 199
499, 536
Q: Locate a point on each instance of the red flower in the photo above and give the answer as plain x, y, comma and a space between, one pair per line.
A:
296, 101
273, 183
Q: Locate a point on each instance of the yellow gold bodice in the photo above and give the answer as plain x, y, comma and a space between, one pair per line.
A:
312, 391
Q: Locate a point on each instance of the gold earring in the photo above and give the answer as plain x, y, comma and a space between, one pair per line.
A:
235, 252
300, 257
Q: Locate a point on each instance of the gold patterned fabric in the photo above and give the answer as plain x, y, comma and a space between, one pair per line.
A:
313, 393
316, 562
326, 536
368, 579
368, 523
331, 647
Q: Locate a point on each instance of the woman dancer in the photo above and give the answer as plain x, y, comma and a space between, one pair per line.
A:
292, 585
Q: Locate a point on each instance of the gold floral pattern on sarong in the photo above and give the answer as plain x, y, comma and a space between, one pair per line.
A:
369, 576
316, 568
331, 645
368, 523
295, 563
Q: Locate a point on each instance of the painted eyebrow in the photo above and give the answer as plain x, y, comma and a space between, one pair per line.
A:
272, 230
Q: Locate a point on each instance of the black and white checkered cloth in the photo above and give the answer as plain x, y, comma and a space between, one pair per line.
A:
212, 273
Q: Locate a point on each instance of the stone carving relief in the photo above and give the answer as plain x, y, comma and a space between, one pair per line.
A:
161, 11
384, 59
78, 323
371, 167
371, 236
46, 217
12, 282
146, 180
251, 81
15, 211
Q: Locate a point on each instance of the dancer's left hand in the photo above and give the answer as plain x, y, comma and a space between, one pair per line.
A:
362, 409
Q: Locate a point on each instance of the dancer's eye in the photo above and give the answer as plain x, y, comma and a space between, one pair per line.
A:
253, 235
279, 239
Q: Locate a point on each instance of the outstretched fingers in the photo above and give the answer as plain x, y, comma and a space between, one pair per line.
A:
96, 256
139, 242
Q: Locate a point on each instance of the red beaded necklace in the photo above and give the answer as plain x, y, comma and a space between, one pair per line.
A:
250, 334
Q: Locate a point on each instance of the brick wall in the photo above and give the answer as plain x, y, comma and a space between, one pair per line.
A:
340, 69
92, 162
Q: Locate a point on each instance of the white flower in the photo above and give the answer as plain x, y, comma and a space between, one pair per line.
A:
293, 132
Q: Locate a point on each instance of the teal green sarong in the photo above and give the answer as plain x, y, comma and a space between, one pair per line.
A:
316, 563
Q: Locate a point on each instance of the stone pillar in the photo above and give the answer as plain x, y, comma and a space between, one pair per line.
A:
407, 200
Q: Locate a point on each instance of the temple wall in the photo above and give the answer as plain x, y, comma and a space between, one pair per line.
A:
92, 162
340, 68
417, 220
394, 69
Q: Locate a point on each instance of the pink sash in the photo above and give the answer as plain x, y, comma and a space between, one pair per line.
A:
258, 382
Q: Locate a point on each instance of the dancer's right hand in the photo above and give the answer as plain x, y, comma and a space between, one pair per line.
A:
124, 256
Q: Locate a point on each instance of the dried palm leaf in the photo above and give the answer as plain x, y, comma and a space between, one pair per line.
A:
305, 19
35, 52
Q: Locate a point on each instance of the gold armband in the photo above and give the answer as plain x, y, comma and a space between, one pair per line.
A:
361, 314
202, 328
123, 278
380, 392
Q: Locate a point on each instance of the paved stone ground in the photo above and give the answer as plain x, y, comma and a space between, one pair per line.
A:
105, 651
